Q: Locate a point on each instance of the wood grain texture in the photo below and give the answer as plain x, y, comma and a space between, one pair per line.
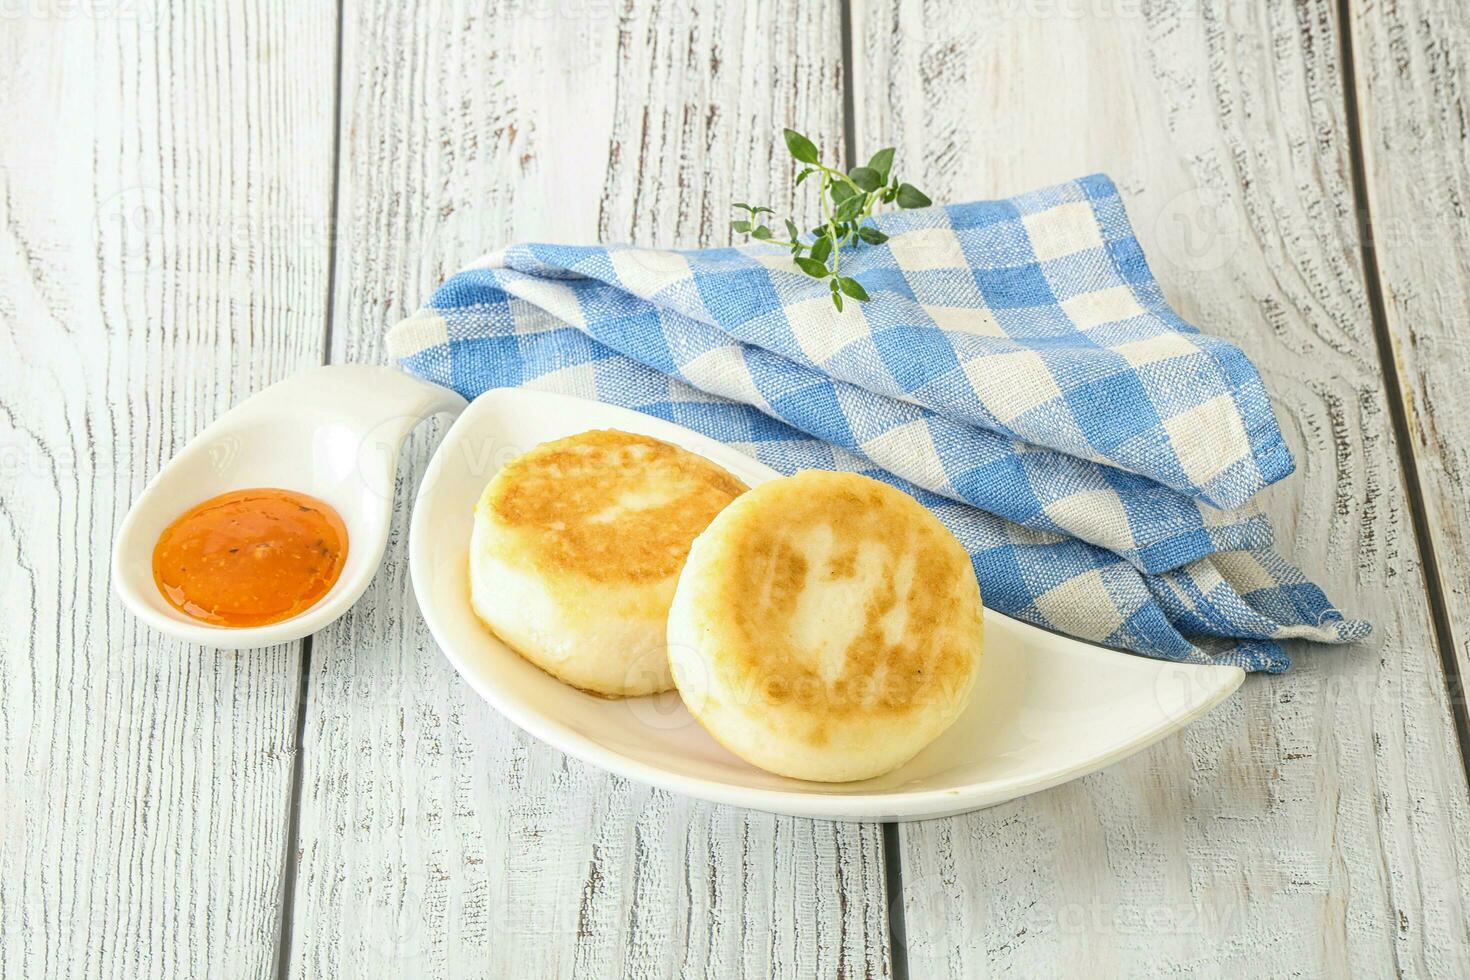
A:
436, 839
164, 194
1317, 823
1413, 74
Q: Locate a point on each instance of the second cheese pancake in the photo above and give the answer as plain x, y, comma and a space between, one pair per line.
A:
827, 626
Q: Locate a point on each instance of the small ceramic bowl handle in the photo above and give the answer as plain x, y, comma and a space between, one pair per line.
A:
383, 404
378, 399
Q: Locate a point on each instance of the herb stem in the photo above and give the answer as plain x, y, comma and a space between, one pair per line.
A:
847, 201
831, 231
841, 176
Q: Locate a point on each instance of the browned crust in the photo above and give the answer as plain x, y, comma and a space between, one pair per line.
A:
759, 570
563, 499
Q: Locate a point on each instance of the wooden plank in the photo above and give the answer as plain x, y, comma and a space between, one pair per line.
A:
1317, 823
164, 194
435, 838
1413, 85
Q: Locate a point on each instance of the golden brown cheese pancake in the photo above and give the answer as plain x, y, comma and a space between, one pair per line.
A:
576, 550
826, 627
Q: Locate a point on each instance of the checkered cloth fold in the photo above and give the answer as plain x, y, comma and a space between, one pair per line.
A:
1017, 369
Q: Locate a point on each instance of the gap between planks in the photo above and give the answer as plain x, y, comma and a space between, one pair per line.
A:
1439, 613
291, 857
898, 950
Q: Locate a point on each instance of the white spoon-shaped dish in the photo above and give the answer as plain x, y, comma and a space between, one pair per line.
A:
332, 432
1046, 708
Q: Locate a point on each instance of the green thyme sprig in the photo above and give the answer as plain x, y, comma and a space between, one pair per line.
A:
848, 200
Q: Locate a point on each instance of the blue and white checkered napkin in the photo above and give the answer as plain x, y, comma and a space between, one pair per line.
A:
1017, 369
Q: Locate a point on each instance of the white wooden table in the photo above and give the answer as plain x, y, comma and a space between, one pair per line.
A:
198, 199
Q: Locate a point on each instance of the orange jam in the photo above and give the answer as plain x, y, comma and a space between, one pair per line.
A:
250, 557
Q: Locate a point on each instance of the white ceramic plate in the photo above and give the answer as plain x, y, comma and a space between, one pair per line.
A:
1046, 708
